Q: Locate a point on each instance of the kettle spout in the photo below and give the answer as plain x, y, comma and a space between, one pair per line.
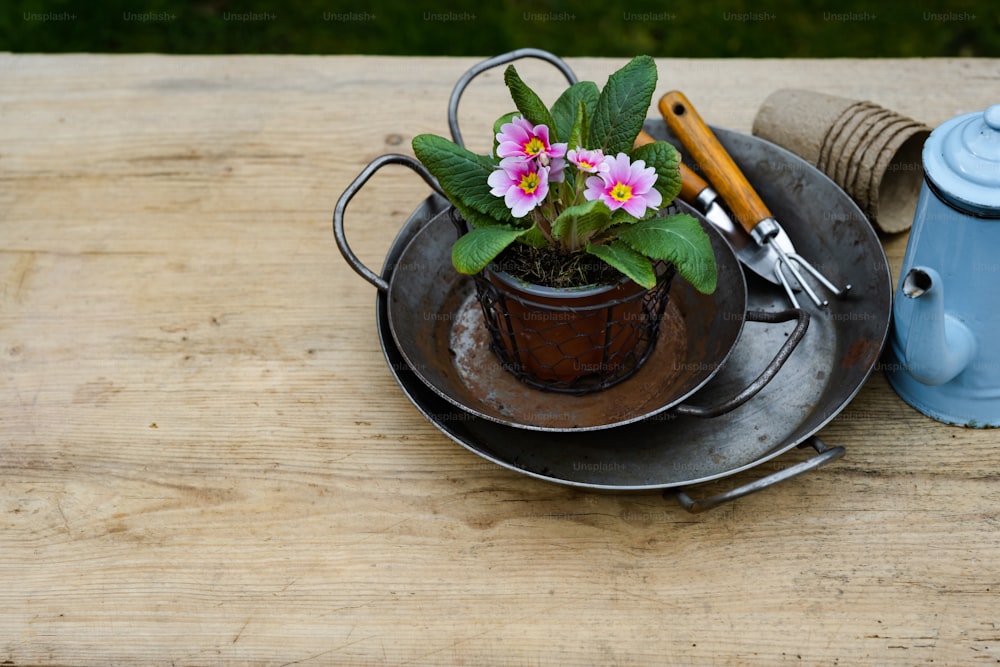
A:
937, 345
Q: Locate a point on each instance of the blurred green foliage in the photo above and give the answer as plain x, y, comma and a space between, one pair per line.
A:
710, 28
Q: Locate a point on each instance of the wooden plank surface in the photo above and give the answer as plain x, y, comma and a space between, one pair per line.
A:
204, 459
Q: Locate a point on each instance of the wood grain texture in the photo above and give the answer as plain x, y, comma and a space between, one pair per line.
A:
204, 459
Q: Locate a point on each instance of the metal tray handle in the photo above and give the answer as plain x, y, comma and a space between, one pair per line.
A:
768, 373
503, 59
824, 455
414, 164
353, 189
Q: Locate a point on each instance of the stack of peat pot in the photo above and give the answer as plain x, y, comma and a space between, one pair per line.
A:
871, 152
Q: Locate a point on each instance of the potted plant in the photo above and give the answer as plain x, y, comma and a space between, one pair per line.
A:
567, 237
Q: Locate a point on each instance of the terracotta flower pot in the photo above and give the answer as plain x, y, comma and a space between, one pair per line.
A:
574, 340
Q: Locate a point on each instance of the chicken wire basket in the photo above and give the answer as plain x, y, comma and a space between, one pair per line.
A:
572, 341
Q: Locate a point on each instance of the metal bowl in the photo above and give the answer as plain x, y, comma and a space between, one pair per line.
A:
438, 326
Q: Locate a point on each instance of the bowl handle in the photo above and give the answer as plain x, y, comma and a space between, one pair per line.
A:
824, 455
751, 390
502, 59
353, 189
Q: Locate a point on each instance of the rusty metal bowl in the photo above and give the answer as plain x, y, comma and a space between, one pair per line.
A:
438, 326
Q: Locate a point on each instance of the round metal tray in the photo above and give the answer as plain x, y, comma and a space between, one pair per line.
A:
674, 452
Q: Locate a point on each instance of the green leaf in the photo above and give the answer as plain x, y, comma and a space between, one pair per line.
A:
664, 158
623, 217
628, 261
528, 103
534, 237
576, 225
479, 247
565, 110
462, 175
622, 106
580, 129
678, 239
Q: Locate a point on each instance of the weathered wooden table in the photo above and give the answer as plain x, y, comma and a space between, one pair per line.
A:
205, 460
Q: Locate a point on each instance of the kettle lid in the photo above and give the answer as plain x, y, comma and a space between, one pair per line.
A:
962, 160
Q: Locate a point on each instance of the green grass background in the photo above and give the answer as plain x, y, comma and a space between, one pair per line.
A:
708, 28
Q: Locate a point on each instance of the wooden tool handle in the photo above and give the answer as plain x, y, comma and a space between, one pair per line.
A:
643, 138
715, 162
691, 183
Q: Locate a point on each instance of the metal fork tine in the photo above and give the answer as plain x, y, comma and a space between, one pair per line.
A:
787, 261
819, 276
784, 282
792, 261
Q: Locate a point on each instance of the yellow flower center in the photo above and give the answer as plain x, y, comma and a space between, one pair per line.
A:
534, 146
585, 165
529, 182
621, 192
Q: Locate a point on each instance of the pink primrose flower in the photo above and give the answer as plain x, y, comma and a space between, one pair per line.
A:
625, 184
556, 166
522, 183
588, 161
520, 138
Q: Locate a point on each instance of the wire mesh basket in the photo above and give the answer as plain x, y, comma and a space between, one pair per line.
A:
572, 341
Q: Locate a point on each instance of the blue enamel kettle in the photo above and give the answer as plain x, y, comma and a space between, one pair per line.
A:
943, 356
